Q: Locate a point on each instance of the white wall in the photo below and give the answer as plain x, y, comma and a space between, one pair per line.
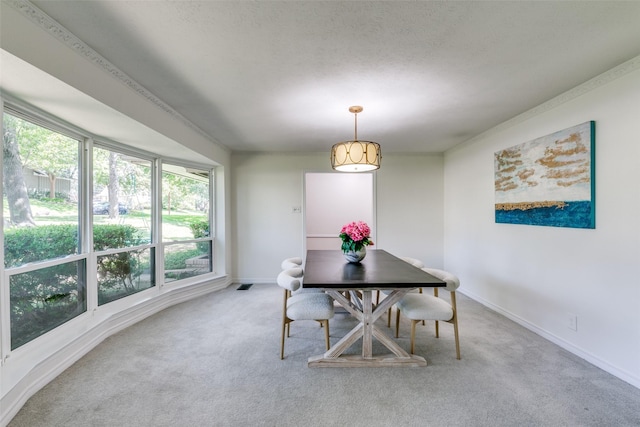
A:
409, 205
538, 276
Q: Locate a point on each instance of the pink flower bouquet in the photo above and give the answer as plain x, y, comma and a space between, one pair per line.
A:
355, 236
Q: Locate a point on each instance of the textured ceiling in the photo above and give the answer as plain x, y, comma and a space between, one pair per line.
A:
274, 76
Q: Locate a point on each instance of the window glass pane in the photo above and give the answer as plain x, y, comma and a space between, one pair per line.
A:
185, 203
182, 260
121, 196
124, 273
44, 299
40, 192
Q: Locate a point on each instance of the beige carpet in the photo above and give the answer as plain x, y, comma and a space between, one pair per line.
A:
215, 361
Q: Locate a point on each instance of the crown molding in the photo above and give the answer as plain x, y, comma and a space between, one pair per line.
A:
586, 87
54, 29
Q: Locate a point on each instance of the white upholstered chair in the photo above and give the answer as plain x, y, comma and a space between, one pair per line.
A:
413, 261
291, 263
302, 306
420, 307
416, 263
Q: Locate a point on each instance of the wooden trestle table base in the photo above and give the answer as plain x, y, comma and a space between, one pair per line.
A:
328, 270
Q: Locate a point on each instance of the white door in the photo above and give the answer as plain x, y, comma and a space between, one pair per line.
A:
332, 200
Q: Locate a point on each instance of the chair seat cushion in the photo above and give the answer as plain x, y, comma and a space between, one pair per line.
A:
425, 307
308, 291
310, 306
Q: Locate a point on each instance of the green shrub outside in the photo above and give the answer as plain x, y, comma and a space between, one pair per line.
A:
118, 273
110, 236
44, 299
200, 229
177, 260
23, 245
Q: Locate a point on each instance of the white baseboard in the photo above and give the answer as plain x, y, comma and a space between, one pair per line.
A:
53, 365
594, 360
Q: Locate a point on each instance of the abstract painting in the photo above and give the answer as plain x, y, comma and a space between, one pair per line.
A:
549, 181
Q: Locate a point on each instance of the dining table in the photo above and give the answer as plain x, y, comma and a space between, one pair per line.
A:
352, 286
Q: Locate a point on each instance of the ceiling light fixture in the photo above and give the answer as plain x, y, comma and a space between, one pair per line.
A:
355, 156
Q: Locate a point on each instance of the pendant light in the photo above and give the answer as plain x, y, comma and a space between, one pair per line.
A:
356, 155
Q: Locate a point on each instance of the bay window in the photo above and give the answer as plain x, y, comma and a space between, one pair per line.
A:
87, 222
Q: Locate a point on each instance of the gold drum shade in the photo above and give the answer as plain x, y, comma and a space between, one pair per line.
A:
355, 155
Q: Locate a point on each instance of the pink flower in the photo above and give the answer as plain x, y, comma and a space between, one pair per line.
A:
355, 235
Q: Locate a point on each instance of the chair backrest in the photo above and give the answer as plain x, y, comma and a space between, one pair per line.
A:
291, 263
451, 280
413, 261
290, 279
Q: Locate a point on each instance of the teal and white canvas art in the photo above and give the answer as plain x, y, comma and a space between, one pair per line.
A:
548, 181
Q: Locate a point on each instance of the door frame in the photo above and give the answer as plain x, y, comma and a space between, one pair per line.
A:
305, 196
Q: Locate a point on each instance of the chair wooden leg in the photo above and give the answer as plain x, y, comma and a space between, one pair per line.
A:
389, 312
397, 322
284, 327
285, 323
423, 320
413, 334
437, 329
455, 324
455, 332
326, 333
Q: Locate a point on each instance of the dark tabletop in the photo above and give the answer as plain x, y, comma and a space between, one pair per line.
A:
378, 270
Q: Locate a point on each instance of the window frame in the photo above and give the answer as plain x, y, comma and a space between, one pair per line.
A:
211, 218
151, 245
41, 119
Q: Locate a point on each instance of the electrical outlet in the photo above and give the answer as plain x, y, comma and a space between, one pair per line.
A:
572, 321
